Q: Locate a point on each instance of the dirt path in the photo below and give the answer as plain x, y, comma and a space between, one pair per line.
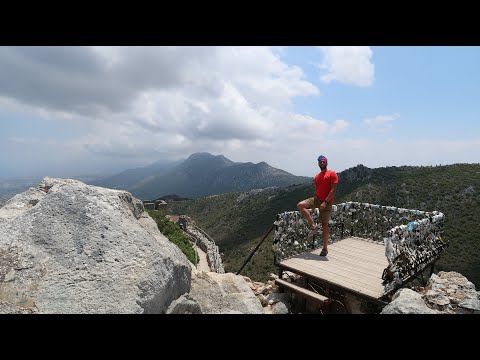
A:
202, 264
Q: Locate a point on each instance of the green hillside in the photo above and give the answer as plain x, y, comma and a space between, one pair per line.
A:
237, 224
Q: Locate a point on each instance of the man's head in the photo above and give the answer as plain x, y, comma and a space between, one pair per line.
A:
322, 162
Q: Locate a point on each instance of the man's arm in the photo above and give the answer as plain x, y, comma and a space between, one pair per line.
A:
332, 192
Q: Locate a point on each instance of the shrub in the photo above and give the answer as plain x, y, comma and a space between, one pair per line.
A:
174, 233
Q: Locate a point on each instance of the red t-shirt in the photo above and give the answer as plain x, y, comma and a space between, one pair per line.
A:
323, 183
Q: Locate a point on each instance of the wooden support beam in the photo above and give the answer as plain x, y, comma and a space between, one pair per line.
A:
302, 291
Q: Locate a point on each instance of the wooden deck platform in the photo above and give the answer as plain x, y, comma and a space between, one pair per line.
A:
353, 264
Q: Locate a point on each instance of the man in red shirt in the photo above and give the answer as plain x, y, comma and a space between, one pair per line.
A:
326, 182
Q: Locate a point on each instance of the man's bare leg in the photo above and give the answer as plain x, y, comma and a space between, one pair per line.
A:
326, 235
303, 207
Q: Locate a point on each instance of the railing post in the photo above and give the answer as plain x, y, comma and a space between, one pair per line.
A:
256, 248
353, 223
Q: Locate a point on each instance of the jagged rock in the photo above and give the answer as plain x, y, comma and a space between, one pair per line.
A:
280, 308
7, 308
185, 304
66, 247
224, 293
447, 292
471, 304
407, 301
279, 297
451, 292
262, 298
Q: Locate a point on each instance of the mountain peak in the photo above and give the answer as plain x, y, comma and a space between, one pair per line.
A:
203, 155
207, 157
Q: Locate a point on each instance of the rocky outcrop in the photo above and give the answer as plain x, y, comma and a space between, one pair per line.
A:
66, 247
185, 304
445, 293
270, 296
407, 301
223, 294
452, 293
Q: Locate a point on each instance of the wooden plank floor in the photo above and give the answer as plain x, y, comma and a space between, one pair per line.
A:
353, 263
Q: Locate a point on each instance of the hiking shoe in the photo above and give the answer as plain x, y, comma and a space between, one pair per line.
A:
324, 252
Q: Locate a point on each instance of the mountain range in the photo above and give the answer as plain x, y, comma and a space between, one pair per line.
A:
201, 174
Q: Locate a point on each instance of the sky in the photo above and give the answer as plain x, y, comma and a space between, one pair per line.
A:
67, 111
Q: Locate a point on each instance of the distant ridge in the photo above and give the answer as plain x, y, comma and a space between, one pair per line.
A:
203, 174
130, 177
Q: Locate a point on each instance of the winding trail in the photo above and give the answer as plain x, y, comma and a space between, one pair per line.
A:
203, 263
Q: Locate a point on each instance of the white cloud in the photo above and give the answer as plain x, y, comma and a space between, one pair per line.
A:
304, 126
197, 92
145, 102
348, 64
381, 123
339, 126
138, 105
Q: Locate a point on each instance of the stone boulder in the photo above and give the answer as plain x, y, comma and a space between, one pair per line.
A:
224, 294
407, 301
67, 247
